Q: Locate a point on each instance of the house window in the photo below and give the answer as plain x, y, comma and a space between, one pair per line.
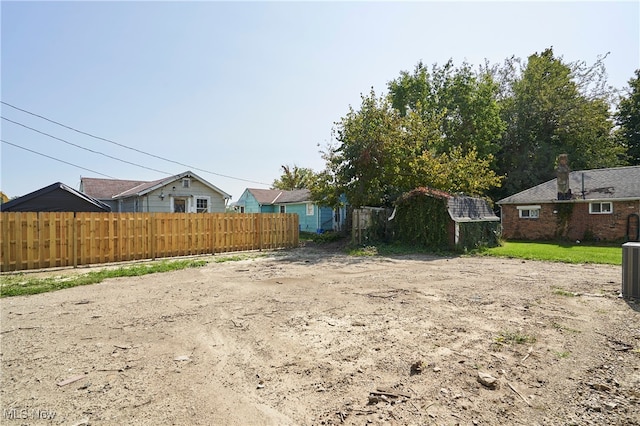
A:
202, 205
241, 209
186, 183
283, 209
309, 209
601, 208
528, 212
179, 205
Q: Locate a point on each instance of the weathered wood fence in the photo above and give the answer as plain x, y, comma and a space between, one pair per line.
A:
51, 239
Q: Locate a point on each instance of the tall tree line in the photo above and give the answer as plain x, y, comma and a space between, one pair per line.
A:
491, 131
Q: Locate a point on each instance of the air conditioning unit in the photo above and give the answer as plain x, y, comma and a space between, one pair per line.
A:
631, 271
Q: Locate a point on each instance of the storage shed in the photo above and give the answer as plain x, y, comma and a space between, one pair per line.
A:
56, 197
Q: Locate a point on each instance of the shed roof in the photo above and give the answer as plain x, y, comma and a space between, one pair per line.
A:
469, 209
599, 184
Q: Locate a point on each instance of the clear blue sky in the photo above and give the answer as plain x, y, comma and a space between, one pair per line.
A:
242, 88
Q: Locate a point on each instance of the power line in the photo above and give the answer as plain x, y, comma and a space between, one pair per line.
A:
53, 158
131, 148
81, 147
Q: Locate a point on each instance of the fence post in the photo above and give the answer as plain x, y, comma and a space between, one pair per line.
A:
6, 242
19, 239
152, 235
212, 232
74, 240
259, 217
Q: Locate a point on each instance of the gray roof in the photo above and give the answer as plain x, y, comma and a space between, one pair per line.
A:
106, 189
115, 188
56, 197
468, 209
277, 196
599, 184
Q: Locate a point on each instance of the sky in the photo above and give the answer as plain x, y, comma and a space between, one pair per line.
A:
234, 90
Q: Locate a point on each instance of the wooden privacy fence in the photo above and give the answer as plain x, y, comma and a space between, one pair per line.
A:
50, 239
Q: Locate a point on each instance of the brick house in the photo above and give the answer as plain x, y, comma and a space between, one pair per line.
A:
600, 204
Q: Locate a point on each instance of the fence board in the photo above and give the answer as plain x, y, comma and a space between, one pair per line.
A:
48, 239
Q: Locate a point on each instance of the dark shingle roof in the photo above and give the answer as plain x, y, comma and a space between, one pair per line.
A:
599, 184
142, 188
56, 197
105, 189
277, 196
468, 209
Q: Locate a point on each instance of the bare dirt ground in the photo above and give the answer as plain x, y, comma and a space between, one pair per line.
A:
312, 337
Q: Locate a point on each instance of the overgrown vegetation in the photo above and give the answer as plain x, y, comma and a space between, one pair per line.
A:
325, 237
478, 235
22, 284
558, 252
421, 218
565, 211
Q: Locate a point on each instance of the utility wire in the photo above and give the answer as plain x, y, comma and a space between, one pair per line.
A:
53, 158
81, 147
128, 147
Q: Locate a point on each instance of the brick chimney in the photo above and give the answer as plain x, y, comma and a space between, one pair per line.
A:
562, 173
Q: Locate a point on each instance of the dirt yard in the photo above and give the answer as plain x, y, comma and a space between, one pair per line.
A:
314, 337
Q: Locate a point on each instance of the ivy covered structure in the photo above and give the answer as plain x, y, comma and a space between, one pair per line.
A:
435, 219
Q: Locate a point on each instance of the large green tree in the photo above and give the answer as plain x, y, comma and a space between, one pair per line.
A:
366, 160
628, 118
460, 103
294, 177
381, 152
548, 112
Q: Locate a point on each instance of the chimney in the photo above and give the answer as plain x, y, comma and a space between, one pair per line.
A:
562, 173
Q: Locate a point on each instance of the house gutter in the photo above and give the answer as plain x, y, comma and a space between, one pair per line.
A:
590, 200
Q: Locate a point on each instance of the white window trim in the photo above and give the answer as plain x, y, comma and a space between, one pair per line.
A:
203, 198
186, 183
311, 209
530, 209
282, 209
601, 203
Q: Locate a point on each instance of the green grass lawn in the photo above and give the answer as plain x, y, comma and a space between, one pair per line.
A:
559, 252
23, 284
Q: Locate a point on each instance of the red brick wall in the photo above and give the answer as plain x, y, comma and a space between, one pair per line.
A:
581, 224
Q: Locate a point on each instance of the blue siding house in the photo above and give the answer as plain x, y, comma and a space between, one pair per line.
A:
313, 218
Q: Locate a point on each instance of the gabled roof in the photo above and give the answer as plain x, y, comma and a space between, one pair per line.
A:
56, 197
115, 188
469, 209
277, 196
106, 189
599, 184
